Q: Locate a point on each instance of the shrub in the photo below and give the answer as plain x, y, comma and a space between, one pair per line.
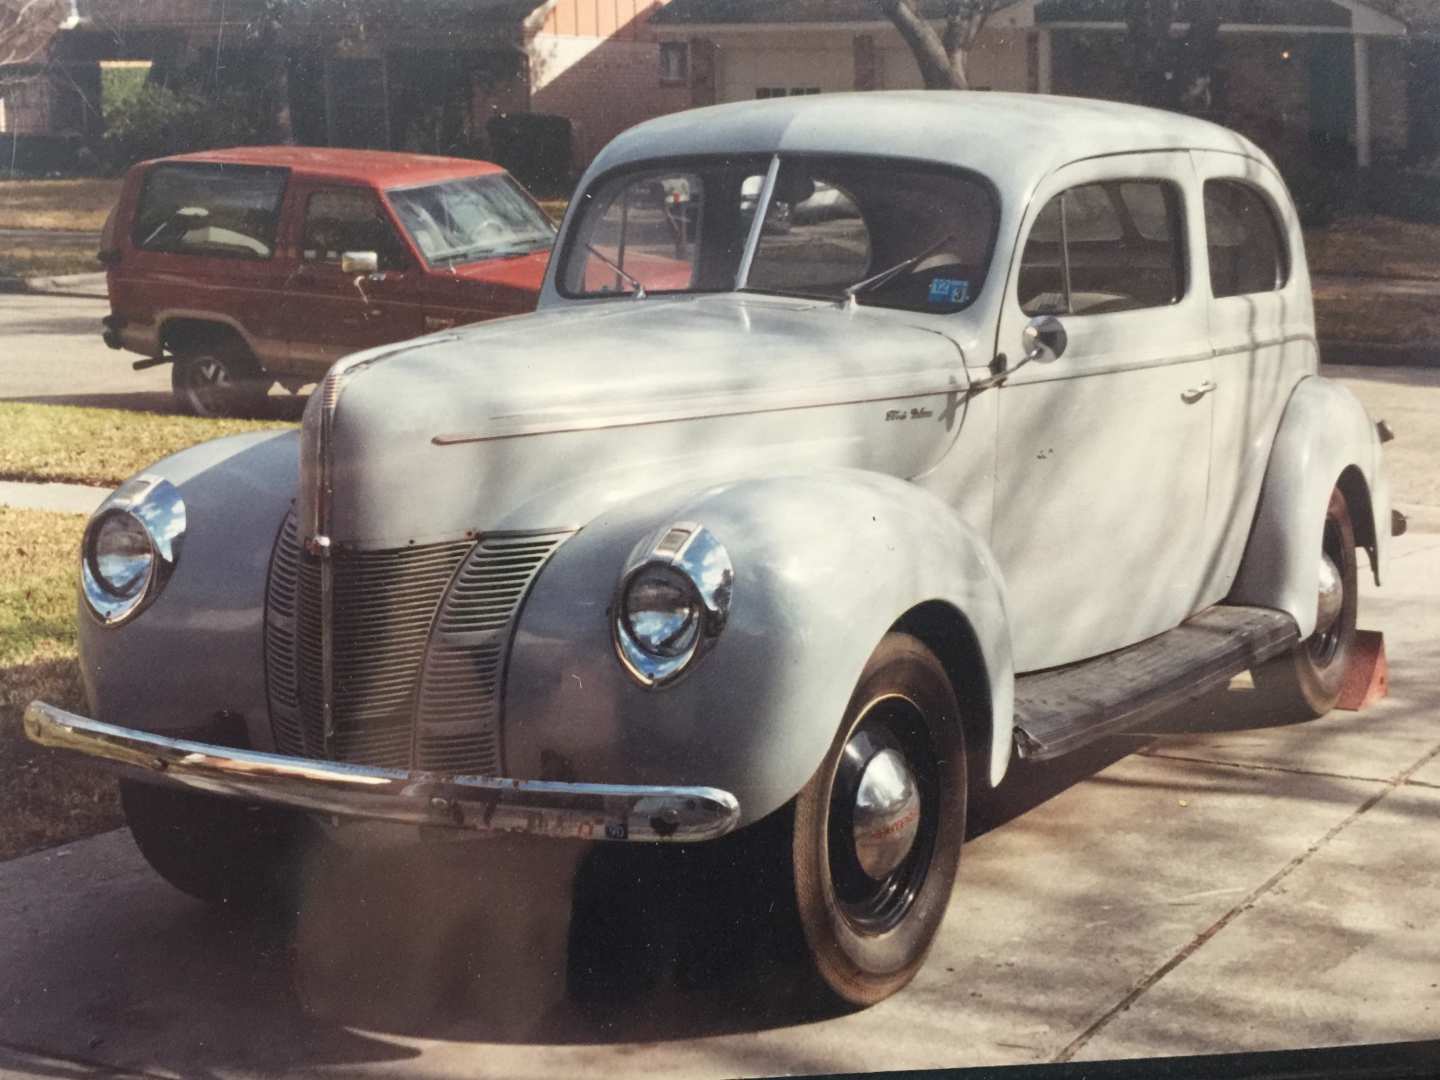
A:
154, 121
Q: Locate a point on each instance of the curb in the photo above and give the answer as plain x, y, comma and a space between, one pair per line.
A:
90, 285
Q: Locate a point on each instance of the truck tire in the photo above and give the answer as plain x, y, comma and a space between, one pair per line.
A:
218, 377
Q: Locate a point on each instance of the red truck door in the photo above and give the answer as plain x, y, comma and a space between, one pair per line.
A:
330, 313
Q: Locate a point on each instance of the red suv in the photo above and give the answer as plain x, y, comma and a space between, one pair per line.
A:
261, 264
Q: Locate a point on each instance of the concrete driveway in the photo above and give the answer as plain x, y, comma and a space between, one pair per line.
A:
1221, 882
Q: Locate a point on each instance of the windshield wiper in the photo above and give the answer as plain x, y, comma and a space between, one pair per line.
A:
876, 280
639, 293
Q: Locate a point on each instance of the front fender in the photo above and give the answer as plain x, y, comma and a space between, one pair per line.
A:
1325, 438
198, 652
825, 563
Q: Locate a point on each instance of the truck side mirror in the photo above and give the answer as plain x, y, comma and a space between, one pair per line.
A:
359, 262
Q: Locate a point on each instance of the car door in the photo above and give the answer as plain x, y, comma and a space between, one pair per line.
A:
329, 312
1254, 278
1103, 454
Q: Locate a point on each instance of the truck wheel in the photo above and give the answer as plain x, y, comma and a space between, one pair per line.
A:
1305, 683
877, 831
221, 851
218, 377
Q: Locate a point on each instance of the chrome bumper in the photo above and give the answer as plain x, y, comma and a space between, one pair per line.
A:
484, 804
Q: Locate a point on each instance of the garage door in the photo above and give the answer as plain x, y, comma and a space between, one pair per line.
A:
747, 73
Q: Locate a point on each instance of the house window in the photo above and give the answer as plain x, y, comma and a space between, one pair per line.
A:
674, 62
784, 91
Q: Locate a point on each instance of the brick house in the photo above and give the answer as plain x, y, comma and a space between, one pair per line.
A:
1288, 70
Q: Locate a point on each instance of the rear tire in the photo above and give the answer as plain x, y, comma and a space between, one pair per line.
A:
873, 867
221, 851
218, 377
1305, 683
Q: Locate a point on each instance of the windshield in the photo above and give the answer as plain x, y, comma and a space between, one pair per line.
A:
829, 224
473, 218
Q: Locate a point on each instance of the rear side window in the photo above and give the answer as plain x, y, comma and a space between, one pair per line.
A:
1100, 248
227, 210
1247, 247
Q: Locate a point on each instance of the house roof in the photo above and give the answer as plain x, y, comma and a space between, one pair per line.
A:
1321, 13
714, 12
378, 168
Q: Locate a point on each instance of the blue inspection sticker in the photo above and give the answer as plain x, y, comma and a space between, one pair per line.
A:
949, 290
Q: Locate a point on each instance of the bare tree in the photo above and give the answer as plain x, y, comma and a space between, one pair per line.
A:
26, 28
941, 56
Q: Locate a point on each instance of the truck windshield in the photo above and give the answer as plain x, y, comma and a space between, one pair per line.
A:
477, 217
826, 225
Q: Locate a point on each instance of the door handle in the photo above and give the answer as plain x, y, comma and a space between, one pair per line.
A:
1195, 393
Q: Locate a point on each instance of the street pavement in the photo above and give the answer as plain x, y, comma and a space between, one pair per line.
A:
1219, 882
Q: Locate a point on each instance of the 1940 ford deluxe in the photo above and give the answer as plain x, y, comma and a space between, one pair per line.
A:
860, 443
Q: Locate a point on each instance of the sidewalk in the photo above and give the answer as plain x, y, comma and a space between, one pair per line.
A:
63, 498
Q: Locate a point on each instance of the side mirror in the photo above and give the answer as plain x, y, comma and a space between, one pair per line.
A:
359, 262
1044, 339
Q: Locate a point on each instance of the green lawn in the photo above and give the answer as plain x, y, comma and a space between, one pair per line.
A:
45, 798
40, 258
99, 446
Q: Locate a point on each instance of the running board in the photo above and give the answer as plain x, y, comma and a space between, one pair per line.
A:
1063, 709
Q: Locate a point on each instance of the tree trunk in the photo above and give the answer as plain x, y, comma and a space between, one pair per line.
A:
939, 70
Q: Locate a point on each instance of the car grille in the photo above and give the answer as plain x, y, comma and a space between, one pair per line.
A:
419, 640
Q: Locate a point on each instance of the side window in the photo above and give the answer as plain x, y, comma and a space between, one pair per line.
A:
217, 210
1100, 248
1246, 245
350, 219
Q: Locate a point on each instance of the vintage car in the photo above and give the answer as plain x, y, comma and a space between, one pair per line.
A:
246, 266
1016, 441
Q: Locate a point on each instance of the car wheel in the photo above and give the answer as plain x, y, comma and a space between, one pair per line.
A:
877, 831
218, 378
221, 851
1306, 681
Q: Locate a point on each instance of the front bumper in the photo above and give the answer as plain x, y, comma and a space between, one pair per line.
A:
483, 804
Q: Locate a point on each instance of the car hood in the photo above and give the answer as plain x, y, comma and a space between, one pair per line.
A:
542, 420
516, 271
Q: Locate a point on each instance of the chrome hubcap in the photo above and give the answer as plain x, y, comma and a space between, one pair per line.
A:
1332, 595
887, 814
884, 810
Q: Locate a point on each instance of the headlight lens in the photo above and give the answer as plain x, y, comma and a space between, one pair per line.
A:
121, 556
662, 611
673, 601
130, 549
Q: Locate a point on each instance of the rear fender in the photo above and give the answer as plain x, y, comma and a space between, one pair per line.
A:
825, 563
1325, 439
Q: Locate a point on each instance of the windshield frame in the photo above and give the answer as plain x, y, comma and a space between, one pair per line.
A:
751, 247
451, 262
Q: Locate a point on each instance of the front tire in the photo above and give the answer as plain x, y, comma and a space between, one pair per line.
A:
1306, 682
221, 851
217, 378
877, 831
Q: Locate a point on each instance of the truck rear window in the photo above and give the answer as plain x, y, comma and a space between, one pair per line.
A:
227, 210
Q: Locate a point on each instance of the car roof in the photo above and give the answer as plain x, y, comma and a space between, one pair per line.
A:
1014, 139
378, 168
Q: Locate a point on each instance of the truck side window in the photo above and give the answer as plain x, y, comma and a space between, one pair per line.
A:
1106, 247
220, 211
349, 220
1246, 245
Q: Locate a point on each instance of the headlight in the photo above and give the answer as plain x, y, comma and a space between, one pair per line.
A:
130, 548
672, 603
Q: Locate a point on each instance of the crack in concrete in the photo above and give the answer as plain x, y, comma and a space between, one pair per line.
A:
1251, 899
1266, 768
